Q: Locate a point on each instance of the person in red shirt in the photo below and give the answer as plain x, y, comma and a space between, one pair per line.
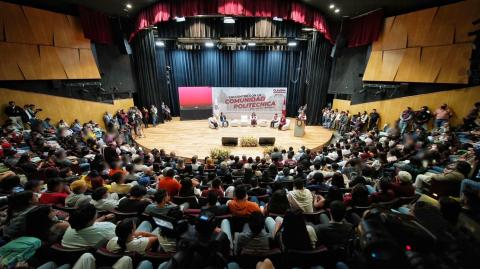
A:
240, 206
168, 183
55, 193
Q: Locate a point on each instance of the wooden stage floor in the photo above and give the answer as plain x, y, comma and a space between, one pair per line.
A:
194, 137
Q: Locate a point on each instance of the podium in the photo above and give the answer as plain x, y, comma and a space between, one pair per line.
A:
299, 130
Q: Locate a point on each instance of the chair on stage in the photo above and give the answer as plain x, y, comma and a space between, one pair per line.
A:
263, 123
244, 121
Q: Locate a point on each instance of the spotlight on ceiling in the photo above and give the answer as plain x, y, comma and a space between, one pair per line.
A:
332, 6
251, 44
179, 19
228, 20
160, 43
292, 44
307, 29
209, 44
128, 5
337, 10
277, 19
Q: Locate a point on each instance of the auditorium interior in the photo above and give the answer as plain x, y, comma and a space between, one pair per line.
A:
314, 134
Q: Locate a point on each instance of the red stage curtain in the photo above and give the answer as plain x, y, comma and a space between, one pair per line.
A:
364, 30
286, 9
320, 25
96, 26
298, 13
159, 12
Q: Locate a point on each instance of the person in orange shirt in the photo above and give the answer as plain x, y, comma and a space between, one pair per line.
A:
168, 183
240, 206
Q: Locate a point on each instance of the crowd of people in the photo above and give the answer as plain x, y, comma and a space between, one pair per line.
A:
82, 187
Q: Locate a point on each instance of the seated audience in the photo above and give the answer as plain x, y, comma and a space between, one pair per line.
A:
86, 230
240, 206
135, 201
130, 238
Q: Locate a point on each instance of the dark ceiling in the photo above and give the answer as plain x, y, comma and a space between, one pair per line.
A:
348, 8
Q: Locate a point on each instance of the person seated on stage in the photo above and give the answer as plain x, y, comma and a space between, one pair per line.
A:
223, 120
212, 122
274, 121
283, 122
253, 119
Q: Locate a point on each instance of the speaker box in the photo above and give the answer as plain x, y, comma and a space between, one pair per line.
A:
229, 141
266, 141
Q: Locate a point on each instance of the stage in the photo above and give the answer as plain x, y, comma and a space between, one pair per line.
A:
194, 137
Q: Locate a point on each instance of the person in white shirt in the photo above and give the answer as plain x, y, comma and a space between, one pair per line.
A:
104, 201
274, 120
132, 239
316, 169
302, 198
212, 122
86, 230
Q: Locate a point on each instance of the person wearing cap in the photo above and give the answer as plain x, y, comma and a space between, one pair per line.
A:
77, 197
403, 185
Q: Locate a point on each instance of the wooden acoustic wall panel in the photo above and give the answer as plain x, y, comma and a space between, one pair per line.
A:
396, 34
28, 25
43, 22
70, 59
37, 44
418, 26
15, 23
52, 67
9, 68
65, 33
455, 67
88, 64
469, 11
383, 65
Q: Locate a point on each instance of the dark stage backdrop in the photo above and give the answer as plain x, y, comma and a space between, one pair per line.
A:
224, 68
305, 71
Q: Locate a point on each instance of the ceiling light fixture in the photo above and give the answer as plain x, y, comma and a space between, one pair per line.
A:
179, 19
292, 44
209, 44
337, 10
128, 5
160, 43
307, 29
277, 19
251, 44
228, 20
332, 6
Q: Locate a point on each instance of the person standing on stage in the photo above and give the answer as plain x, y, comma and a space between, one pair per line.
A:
223, 120
274, 121
145, 116
283, 122
302, 116
154, 115
166, 112
253, 119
